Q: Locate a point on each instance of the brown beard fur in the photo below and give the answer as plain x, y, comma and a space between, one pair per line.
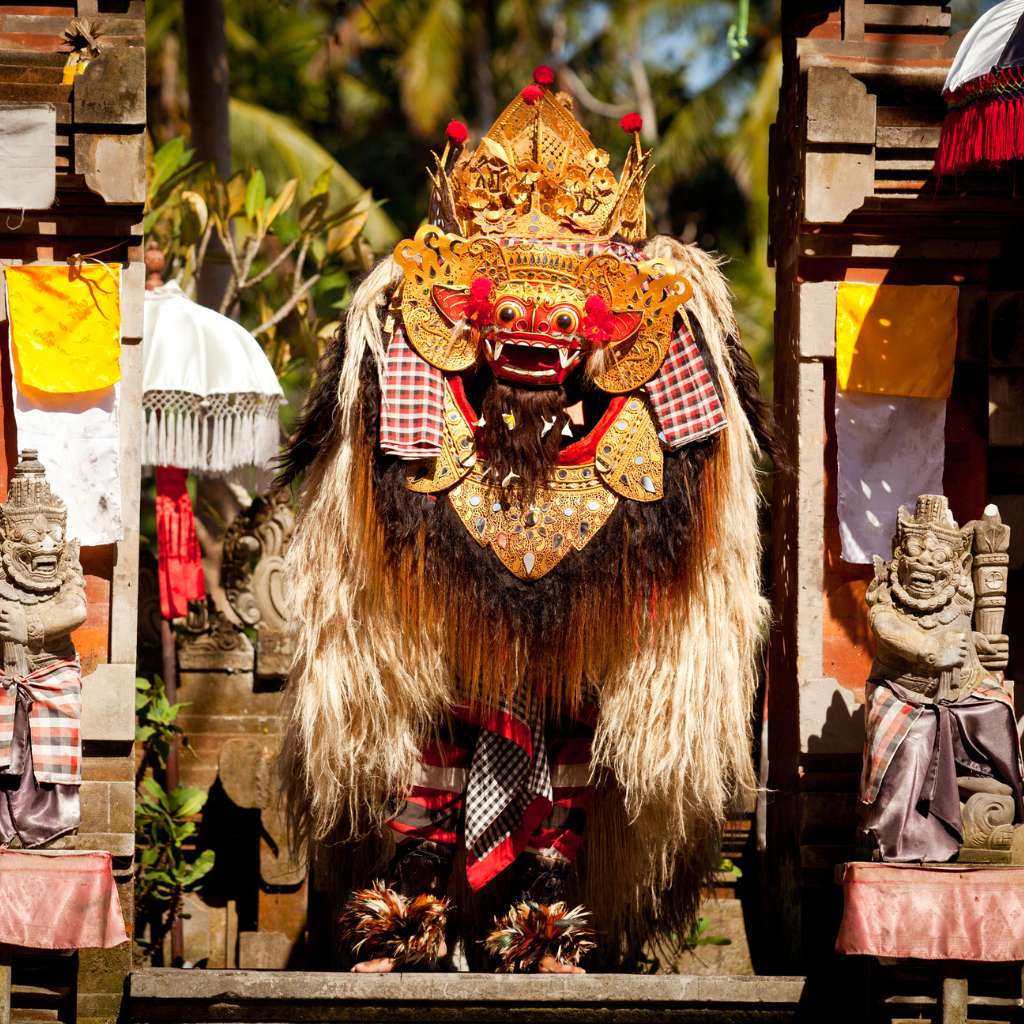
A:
522, 449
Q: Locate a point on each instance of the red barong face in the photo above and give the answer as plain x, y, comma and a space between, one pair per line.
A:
546, 309
531, 342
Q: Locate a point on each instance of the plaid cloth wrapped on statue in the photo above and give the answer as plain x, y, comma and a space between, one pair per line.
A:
54, 693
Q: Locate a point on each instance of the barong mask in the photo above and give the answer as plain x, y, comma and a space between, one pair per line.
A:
526, 274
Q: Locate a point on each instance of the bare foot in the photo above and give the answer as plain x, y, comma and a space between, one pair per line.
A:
385, 965
549, 965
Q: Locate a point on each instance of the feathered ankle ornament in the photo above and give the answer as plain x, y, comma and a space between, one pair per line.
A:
531, 931
380, 922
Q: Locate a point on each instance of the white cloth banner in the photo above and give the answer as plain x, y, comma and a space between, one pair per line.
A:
79, 444
890, 451
28, 156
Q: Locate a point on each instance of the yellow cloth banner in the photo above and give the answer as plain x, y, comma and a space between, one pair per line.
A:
65, 325
896, 339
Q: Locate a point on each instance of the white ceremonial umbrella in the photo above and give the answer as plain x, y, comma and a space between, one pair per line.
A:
210, 396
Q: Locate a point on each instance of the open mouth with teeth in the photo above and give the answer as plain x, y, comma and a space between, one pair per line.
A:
44, 565
517, 357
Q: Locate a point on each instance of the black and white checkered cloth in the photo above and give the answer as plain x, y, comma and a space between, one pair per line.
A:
504, 779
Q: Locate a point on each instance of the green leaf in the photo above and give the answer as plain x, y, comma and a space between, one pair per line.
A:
187, 800
170, 158
283, 201
202, 866
321, 183
143, 733
270, 141
255, 194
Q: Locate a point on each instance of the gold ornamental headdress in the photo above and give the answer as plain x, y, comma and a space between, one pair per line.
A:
537, 174
508, 219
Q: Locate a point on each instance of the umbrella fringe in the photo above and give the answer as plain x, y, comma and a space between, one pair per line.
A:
205, 441
984, 125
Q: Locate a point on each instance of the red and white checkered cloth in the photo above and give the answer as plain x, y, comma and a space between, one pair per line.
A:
412, 403
683, 394
54, 720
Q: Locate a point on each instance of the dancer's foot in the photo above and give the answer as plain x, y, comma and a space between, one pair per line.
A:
382, 965
385, 965
549, 965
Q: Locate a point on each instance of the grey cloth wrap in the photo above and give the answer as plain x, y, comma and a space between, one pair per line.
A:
916, 815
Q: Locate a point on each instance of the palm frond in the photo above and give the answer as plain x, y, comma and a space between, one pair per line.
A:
281, 150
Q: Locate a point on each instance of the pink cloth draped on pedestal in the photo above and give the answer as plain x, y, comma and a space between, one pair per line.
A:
939, 912
59, 899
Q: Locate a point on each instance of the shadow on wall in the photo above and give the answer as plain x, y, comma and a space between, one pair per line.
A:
843, 729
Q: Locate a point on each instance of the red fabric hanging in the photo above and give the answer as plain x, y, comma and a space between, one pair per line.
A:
180, 567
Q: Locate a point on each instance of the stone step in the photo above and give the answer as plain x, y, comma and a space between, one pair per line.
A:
210, 997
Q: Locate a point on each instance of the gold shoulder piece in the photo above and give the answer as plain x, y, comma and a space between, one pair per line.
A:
629, 456
457, 458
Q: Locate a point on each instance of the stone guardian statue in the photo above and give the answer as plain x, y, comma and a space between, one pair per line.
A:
942, 765
42, 600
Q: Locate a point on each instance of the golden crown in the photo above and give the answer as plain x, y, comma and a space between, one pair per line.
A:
537, 174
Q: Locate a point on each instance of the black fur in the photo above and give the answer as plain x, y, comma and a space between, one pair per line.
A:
316, 425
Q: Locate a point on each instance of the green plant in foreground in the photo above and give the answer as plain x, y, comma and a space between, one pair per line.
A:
155, 726
165, 826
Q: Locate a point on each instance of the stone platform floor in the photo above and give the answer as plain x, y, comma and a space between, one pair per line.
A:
276, 997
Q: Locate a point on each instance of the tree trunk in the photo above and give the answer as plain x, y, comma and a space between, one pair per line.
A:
207, 51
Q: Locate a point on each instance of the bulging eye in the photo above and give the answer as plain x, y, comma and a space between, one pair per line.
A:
565, 320
509, 310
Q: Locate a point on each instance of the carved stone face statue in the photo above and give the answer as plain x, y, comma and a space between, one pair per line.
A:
931, 558
32, 550
926, 566
34, 522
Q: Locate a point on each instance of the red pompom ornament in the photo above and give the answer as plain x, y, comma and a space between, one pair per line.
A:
599, 323
543, 75
456, 132
479, 309
532, 94
631, 122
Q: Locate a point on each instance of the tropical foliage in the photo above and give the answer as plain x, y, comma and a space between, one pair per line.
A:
366, 87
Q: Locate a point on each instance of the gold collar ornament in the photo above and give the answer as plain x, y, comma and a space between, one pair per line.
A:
623, 460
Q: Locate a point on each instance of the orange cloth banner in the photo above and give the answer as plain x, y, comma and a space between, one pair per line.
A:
896, 339
65, 325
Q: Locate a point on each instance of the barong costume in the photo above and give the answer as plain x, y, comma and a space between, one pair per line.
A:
526, 570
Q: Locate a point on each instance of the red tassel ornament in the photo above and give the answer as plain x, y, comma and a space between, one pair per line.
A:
543, 75
479, 309
985, 123
631, 123
599, 323
532, 94
456, 133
